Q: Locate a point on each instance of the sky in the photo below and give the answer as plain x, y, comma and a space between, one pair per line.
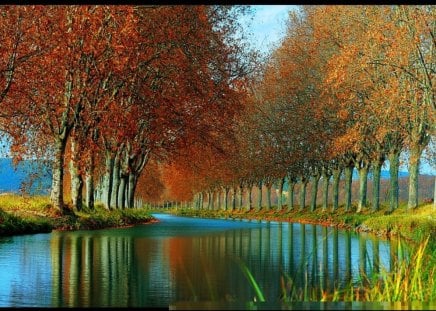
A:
268, 25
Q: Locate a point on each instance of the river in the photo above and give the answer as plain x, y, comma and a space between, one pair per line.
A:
182, 260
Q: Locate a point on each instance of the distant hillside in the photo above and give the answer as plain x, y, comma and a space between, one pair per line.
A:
384, 175
29, 176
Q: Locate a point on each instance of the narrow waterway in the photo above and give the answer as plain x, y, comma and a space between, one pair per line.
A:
183, 260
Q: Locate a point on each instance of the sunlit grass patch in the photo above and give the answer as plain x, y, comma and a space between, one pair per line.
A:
11, 224
413, 225
23, 214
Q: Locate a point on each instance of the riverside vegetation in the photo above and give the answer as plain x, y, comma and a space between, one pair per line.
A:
25, 215
411, 279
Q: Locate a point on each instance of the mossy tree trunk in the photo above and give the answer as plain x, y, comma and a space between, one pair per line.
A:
76, 177
116, 180
234, 194
303, 184
201, 205
363, 186
122, 189
326, 174
336, 173
394, 165
280, 194
212, 200
414, 161
89, 182
249, 196
133, 181
348, 172
241, 195
259, 198
268, 194
291, 187
218, 198
376, 172
107, 179
209, 200
314, 180
226, 198
57, 191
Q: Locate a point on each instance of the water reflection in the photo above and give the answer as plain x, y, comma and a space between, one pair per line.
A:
147, 266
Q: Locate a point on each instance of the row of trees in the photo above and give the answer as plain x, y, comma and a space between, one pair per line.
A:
349, 87
104, 89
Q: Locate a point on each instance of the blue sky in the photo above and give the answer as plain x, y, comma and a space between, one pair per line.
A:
268, 25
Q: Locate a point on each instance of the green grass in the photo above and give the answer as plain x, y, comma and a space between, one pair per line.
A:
22, 215
411, 280
11, 224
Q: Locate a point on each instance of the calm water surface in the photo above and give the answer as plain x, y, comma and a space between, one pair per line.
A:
181, 259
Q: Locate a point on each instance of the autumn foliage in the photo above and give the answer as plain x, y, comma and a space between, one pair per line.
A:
166, 102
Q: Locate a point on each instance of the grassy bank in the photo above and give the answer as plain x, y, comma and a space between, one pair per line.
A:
414, 226
23, 215
411, 280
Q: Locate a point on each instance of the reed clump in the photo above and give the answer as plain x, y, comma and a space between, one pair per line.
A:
411, 280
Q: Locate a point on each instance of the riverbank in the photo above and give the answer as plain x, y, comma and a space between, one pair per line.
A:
414, 226
27, 215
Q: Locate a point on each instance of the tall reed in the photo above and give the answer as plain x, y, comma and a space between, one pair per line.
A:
411, 280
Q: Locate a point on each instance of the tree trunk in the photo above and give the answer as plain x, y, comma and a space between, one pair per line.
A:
325, 190
315, 181
414, 160
107, 180
212, 200
116, 181
303, 193
259, 198
235, 189
57, 191
249, 198
280, 195
200, 200
226, 198
336, 178
241, 196
348, 182
122, 191
132, 188
76, 178
209, 200
268, 196
376, 170
363, 187
218, 199
195, 201
291, 186
434, 194
76, 189
394, 165
89, 181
